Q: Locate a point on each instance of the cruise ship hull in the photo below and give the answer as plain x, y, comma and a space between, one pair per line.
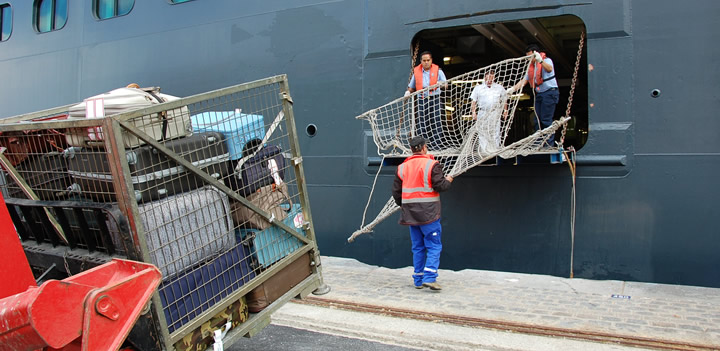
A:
647, 172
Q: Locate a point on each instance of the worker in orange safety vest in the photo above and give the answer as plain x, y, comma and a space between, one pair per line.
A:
416, 188
430, 102
541, 76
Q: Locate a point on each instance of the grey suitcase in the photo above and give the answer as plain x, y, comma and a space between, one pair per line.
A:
153, 174
186, 229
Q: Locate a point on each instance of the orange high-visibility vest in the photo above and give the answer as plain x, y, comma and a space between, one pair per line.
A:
535, 73
415, 174
434, 69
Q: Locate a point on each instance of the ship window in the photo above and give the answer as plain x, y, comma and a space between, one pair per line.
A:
50, 15
112, 8
5, 21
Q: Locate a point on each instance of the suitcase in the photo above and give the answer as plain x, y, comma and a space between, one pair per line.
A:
186, 229
20, 144
203, 337
46, 140
194, 291
90, 226
170, 124
47, 176
278, 284
16, 148
275, 200
272, 244
260, 170
153, 174
239, 128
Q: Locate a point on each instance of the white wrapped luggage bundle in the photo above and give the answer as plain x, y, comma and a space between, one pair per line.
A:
171, 124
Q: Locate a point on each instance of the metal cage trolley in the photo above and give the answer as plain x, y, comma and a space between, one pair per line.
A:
208, 188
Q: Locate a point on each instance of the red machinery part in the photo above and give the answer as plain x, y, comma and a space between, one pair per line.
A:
97, 307
93, 310
16, 274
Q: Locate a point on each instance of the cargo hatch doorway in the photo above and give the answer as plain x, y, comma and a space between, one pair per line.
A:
458, 50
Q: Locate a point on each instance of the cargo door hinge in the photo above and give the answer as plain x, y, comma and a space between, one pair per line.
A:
286, 96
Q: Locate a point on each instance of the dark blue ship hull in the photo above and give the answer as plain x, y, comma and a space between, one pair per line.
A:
647, 173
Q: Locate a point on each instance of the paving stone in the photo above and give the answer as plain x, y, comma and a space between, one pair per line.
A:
610, 319
548, 317
644, 313
636, 321
517, 309
587, 316
691, 327
625, 327
667, 332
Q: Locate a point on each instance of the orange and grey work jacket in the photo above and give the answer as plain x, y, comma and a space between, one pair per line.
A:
418, 182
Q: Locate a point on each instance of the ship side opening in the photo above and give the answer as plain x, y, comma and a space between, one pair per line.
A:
458, 50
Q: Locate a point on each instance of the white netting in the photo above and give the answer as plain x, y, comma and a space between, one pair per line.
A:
443, 115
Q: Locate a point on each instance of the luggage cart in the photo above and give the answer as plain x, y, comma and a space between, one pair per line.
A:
175, 204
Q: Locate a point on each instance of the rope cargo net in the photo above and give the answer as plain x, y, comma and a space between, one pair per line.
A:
442, 114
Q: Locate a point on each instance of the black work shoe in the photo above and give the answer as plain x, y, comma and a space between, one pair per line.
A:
433, 286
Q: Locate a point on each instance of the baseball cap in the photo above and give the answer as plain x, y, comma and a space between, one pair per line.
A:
417, 143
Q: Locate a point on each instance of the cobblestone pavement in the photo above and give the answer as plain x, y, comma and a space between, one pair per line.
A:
665, 312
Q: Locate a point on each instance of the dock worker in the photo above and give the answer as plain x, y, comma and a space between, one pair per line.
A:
541, 76
430, 104
416, 188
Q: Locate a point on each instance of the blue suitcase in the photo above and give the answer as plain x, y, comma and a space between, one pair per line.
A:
238, 128
272, 244
191, 293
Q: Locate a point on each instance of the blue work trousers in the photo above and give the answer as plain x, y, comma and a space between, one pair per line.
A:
545, 103
426, 248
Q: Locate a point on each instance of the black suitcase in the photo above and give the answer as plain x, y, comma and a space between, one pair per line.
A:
153, 174
257, 172
47, 175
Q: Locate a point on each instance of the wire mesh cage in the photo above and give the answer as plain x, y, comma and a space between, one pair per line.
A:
208, 188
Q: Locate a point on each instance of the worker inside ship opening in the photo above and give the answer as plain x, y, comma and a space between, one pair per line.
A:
431, 103
541, 76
